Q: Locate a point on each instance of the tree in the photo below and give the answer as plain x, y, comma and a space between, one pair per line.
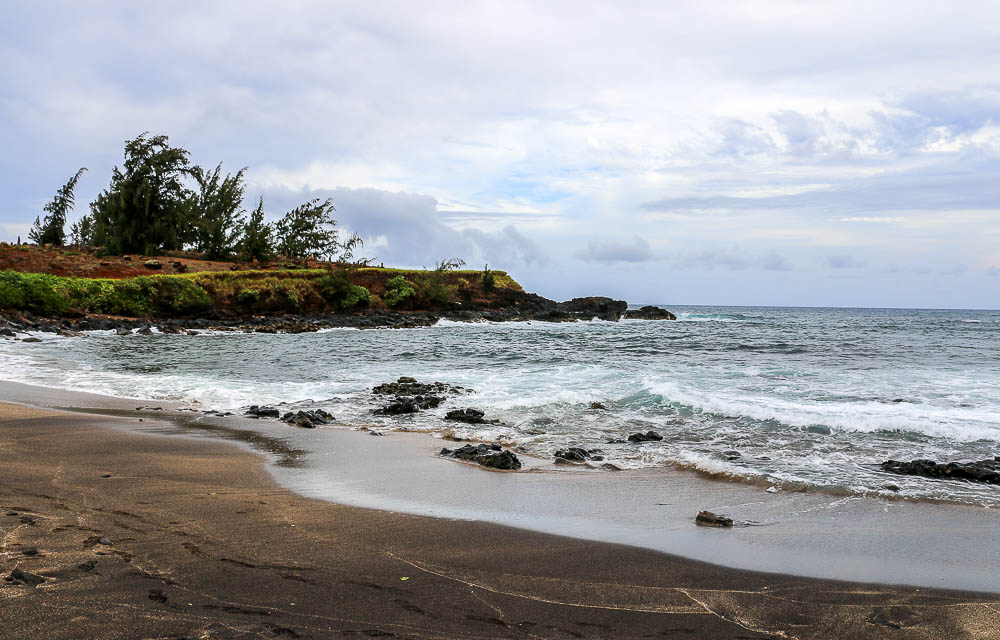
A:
257, 241
215, 209
81, 232
308, 230
146, 207
51, 230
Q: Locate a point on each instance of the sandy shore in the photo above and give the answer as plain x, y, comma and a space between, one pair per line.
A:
204, 544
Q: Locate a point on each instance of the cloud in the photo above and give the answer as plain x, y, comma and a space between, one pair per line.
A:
507, 247
714, 259
843, 262
635, 250
775, 262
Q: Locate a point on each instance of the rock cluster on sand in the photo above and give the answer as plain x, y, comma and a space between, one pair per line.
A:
649, 313
986, 471
488, 455
255, 411
307, 419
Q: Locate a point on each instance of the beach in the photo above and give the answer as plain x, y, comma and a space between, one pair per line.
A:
204, 543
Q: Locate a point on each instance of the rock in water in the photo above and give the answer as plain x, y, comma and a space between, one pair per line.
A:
572, 454
709, 519
488, 455
470, 416
985, 471
649, 436
649, 312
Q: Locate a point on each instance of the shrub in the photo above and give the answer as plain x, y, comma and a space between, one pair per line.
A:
336, 289
489, 279
397, 290
248, 296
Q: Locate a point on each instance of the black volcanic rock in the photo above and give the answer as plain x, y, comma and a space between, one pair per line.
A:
649, 313
487, 455
649, 436
985, 471
470, 416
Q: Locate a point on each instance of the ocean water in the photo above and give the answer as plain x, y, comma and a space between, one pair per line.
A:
810, 399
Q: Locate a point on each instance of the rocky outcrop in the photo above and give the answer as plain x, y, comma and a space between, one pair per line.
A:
406, 386
492, 456
411, 396
985, 471
649, 312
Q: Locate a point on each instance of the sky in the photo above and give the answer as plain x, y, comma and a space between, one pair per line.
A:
748, 153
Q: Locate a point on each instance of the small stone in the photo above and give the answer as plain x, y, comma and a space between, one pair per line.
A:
709, 519
30, 551
31, 340
598, 406
12, 513
105, 541
649, 436
105, 475
27, 578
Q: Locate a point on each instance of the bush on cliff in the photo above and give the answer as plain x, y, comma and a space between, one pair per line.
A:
397, 290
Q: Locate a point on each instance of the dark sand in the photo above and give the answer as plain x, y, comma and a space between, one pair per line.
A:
205, 545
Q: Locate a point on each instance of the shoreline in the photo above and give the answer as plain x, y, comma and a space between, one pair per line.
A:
808, 534
203, 542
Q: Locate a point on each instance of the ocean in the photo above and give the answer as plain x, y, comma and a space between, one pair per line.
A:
796, 399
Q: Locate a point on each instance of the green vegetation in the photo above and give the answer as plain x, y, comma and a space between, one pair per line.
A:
337, 289
433, 286
51, 230
397, 290
222, 293
489, 280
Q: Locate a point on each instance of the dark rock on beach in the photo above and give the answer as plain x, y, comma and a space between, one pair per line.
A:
985, 471
576, 455
25, 577
307, 419
709, 519
469, 416
487, 455
262, 412
649, 312
649, 436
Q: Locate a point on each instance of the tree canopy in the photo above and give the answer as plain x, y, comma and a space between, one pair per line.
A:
159, 201
51, 230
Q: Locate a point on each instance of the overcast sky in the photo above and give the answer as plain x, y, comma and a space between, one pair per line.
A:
772, 153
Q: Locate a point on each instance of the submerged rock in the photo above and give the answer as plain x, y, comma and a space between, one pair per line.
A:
488, 455
31, 339
649, 436
709, 519
649, 312
598, 406
985, 471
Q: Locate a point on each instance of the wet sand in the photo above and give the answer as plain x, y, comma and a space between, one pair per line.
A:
203, 543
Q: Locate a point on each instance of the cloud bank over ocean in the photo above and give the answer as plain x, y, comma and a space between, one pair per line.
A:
779, 153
